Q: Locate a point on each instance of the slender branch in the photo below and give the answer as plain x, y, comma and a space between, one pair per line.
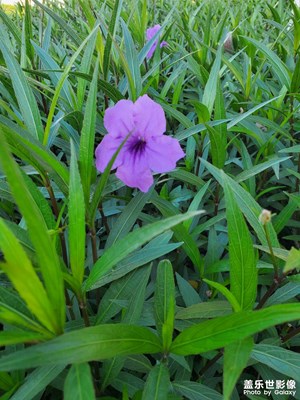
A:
291, 334
268, 293
84, 313
211, 362
56, 213
104, 219
94, 244
274, 262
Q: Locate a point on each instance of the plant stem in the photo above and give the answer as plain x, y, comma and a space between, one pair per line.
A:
274, 262
291, 334
85, 315
56, 213
211, 362
69, 305
94, 244
62, 241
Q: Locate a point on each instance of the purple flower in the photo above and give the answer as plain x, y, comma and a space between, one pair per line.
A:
149, 35
147, 148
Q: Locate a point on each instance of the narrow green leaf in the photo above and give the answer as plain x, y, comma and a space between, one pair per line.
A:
220, 332
64, 25
196, 391
61, 82
24, 95
31, 290
249, 207
90, 16
196, 202
180, 232
246, 114
236, 356
158, 384
12, 27
79, 383
41, 202
42, 159
211, 309
52, 70
259, 168
221, 129
243, 272
12, 316
37, 381
85, 66
164, 302
6, 381
226, 293
278, 66
295, 84
28, 32
284, 361
38, 231
131, 56
10, 337
293, 260
128, 217
188, 293
110, 371
110, 35
136, 302
120, 290
118, 251
87, 138
152, 251
217, 146
76, 212
210, 90
94, 343
288, 291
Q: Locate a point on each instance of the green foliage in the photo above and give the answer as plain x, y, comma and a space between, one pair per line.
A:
183, 292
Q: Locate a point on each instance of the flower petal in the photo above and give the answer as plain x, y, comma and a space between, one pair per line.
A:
105, 151
163, 44
152, 50
162, 153
149, 117
118, 120
135, 173
150, 32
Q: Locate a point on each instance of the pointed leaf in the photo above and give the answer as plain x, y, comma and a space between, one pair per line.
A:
79, 383
157, 384
236, 356
76, 220
24, 95
94, 343
243, 272
220, 332
164, 302
45, 248
118, 251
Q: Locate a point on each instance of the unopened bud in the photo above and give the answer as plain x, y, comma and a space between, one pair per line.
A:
228, 43
265, 217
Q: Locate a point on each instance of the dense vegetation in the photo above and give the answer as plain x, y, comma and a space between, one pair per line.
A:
188, 290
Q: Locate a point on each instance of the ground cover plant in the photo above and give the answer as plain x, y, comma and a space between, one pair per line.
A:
149, 200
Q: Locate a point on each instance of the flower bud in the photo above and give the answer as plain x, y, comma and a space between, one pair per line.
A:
265, 217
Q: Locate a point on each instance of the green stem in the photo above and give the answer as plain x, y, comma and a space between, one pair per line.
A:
274, 262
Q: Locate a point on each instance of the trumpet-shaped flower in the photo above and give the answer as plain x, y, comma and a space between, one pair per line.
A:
149, 35
146, 149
